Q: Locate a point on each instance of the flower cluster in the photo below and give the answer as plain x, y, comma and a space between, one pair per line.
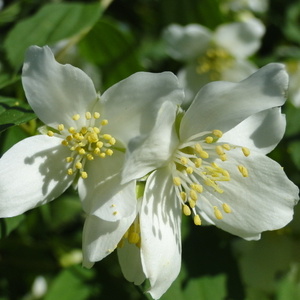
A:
140, 162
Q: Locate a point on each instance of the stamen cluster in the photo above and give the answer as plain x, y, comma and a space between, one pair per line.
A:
215, 60
85, 143
196, 169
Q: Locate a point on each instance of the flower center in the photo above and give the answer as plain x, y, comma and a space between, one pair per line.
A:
85, 143
214, 61
196, 169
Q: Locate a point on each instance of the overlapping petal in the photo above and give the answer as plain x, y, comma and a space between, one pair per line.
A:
33, 172
241, 39
263, 201
100, 237
153, 149
56, 92
102, 193
132, 105
130, 261
261, 132
160, 220
223, 105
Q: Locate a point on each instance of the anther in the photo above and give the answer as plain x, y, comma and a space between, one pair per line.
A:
243, 170
198, 162
218, 213
226, 208
183, 196
84, 175
209, 139
104, 122
50, 133
109, 152
217, 133
177, 181
72, 130
60, 127
189, 170
192, 203
78, 165
183, 160
69, 159
88, 115
76, 117
197, 220
96, 115
193, 195
65, 143
186, 210
246, 151
112, 141
70, 171
219, 150
226, 147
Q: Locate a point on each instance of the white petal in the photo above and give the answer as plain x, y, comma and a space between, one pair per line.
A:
132, 105
241, 39
130, 261
33, 172
153, 149
102, 192
263, 201
223, 105
192, 82
160, 220
187, 42
100, 237
261, 132
55, 92
239, 70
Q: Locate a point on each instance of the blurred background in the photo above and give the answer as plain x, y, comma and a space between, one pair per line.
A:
40, 251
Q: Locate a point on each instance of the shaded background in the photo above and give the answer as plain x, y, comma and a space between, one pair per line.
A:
40, 251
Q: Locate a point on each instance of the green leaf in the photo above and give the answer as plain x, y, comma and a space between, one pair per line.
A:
294, 150
200, 288
111, 48
52, 23
9, 224
12, 112
71, 284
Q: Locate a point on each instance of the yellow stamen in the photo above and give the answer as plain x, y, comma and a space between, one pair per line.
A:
246, 151
50, 133
177, 181
218, 213
88, 115
60, 127
226, 208
243, 171
217, 133
197, 220
76, 117
186, 210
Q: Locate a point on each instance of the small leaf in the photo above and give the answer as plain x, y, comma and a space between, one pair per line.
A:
71, 284
52, 23
12, 112
9, 224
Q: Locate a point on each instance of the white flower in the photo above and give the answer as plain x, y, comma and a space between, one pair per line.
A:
210, 56
212, 164
86, 137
